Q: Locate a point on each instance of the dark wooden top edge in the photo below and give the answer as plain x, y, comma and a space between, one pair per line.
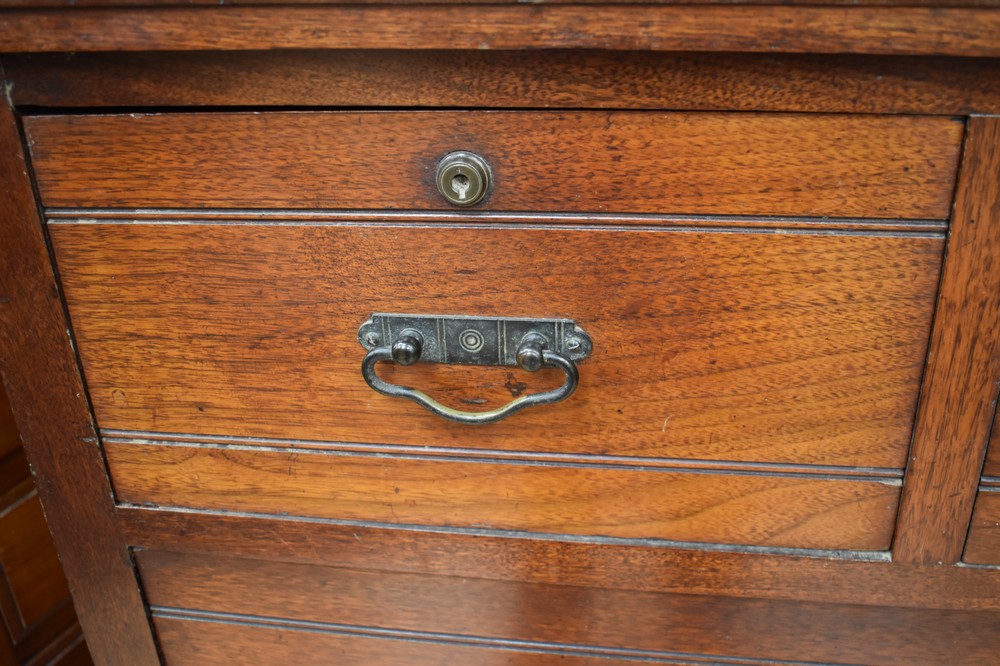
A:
515, 457
705, 28
748, 224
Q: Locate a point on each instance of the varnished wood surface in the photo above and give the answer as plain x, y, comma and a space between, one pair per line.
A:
868, 580
992, 465
711, 163
768, 29
224, 642
755, 509
168, 3
594, 619
802, 348
510, 79
960, 388
47, 396
983, 545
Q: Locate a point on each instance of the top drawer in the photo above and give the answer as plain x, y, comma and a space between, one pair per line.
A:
578, 162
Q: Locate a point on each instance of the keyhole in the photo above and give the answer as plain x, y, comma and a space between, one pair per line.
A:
460, 184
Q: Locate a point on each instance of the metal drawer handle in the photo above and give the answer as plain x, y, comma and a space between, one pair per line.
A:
556, 343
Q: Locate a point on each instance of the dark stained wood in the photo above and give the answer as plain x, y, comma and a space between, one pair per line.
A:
567, 616
767, 29
66, 649
958, 399
767, 164
611, 566
983, 546
168, 3
30, 567
756, 509
992, 466
224, 643
10, 441
46, 394
510, 79
714, 345
45, 643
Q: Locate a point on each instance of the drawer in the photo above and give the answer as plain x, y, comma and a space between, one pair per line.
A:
302, 611
745, 388
798, 348
625, 162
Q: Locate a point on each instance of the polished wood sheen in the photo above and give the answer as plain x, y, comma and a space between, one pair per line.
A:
869, 579
755, 509
720, 345
960, 388
224, 642
47, 396
510, 79
708, 163
589, 620
762, 29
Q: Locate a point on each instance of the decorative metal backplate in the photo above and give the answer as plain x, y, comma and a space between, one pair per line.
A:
475, 340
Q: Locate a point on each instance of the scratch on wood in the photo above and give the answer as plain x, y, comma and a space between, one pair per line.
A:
665, 422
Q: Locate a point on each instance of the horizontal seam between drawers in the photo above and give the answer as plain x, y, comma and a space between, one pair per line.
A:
502, 220
815, 553
487, 456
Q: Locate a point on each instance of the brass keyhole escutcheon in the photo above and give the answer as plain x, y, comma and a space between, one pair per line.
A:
463, 178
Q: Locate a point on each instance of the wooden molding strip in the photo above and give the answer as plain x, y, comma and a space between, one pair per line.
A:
494, 219
764, 29
500, 456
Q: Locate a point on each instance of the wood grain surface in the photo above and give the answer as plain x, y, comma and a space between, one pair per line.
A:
864, 579
756, 509
168, 3
224, 642
767, 29
709, 163
510, 79
566, 617
959, 394
983, 545
804, 348
46, 393
992, 465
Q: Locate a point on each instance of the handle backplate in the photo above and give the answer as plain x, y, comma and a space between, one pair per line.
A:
475, 340
528, 343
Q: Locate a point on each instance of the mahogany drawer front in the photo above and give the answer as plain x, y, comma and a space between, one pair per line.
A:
798, 348
812, 165
209, 609
755, 508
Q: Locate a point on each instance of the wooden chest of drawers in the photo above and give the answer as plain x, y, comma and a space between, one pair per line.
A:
785, 264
